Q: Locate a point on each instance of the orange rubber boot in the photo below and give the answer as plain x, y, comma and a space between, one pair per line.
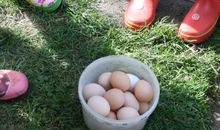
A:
140, 13
200, 21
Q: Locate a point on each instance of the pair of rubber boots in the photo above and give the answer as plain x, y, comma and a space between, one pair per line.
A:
195, 28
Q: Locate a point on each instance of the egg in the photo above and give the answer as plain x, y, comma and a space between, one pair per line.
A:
131, 101
126, 113
133, 80
100, 105
111, 115
93, 89
120, 80
143, 91
115, 97
104, 80
143, 107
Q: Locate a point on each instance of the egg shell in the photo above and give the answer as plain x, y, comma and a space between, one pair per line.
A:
133, 80
104, 80
115, 97
131, 101
99, 104
93, 89
126, 113
120, 80
143, 107
143, 91
111, 115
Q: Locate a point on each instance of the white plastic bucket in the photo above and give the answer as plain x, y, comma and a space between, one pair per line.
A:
95, 121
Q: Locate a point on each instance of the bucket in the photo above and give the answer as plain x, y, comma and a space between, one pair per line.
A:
91, 73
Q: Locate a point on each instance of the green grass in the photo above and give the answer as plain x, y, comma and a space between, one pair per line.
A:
52, 49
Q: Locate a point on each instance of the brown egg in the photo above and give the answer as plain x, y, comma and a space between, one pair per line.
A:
104, 80
126, 113
131, 101
143, 91
93, 89
100, 105
115, 97
112, 115
120, 80
143, 107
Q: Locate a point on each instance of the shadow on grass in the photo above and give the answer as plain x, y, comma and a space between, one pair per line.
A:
179, 101
213, 43
181, 94
68, 45
175, 9
53, 69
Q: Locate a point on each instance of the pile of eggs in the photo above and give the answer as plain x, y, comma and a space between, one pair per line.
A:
118, 95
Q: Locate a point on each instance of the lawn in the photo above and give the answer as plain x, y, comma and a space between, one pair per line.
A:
52, 49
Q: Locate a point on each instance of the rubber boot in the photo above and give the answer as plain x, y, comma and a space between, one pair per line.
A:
200, 21
140, 13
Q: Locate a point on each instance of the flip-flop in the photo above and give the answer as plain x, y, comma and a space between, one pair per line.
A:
140, 13
46, 5
12, 84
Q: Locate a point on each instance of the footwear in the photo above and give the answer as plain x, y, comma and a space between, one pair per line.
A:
200, 21
46, 5
12, 84
140, 13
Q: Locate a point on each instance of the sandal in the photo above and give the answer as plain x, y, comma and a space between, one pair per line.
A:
12, 84
46, 5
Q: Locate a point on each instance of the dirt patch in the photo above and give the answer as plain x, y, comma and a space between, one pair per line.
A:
175, 9
112, 8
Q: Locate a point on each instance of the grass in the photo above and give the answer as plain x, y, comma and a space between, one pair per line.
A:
52, 49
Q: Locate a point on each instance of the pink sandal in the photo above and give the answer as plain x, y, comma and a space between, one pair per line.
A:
12, 84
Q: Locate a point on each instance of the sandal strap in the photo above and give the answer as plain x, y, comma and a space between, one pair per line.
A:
3, 87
